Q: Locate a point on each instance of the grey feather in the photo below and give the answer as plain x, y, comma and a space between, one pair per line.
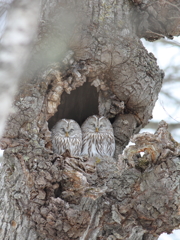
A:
66, 135
98, 137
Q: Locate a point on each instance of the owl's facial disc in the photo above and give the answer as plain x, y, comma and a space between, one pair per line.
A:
98, 126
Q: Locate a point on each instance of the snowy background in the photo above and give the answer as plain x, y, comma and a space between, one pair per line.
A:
168, 104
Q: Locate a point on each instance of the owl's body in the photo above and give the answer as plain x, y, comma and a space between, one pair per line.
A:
66, 135
98, 137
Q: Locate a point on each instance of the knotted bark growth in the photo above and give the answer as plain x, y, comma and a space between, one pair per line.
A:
158, 19
93, 62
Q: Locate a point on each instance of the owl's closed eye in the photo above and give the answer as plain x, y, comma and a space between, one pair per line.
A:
66, 135
98, 137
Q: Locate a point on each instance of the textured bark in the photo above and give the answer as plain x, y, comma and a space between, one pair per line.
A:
157, 19
96, 59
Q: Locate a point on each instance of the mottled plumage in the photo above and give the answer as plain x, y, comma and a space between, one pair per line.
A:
66, 135
98, 137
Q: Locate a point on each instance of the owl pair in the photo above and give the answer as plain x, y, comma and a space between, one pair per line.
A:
94, 138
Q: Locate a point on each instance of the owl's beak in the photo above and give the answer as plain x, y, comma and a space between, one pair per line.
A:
67, 134
97, 129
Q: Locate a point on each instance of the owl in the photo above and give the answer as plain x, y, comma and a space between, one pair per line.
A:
66, 135
98, 137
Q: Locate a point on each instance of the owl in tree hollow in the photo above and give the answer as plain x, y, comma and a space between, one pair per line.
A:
66, 135
98, 137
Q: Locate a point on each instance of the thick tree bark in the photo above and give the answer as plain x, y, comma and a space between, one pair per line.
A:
88, 59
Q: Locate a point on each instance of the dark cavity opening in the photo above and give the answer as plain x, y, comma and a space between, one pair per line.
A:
78, 105
58, 191
112, 120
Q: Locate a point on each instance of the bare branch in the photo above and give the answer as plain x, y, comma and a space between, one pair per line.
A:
171, 126
170, 96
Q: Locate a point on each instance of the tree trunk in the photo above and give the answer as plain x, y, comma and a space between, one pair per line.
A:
88, 59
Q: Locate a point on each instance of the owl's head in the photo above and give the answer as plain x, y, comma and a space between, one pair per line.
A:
97, 124
67, 128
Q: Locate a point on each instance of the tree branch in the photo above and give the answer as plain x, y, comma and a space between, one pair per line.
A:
154, 125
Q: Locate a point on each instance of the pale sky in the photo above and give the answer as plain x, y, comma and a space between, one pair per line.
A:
166, 108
